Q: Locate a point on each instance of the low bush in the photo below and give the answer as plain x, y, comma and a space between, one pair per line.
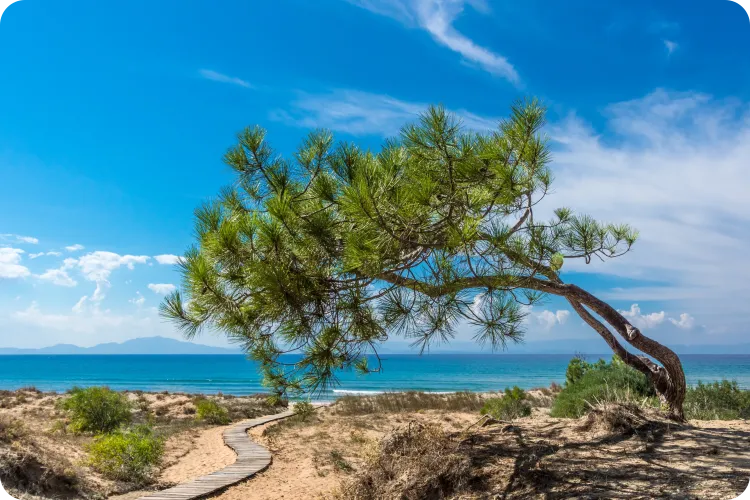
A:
96, 409
130, 455
416, 461
717, 401
10, 429
303, 410
590, 384
514, 404
211, 412
395, 402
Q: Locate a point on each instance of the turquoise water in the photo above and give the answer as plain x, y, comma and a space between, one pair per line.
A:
236, 375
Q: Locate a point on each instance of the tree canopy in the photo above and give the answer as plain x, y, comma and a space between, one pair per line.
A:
330, 252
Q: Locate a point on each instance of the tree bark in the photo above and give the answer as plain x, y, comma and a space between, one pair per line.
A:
668, 379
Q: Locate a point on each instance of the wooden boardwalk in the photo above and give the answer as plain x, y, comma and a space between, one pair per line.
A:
251, 459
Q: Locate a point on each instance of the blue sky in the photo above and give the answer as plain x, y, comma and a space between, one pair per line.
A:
115, 116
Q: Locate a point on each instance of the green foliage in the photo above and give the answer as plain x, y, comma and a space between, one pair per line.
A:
336, 248
717, 401
591, 383
575, 371
130, 455
211, 412
96, 409
303, 410
514, 404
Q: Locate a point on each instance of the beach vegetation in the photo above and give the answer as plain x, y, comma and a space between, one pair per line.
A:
339, 462
96, 409
127, 455
398, 402
601, 382
303, 410
334, 250
723, 400
414, 461
513, 404
211, 412
10, 429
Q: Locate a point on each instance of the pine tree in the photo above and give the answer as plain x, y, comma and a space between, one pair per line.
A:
331, 252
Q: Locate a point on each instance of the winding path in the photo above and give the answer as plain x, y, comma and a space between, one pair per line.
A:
251, 459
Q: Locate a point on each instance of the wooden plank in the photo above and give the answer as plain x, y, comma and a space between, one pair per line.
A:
251, 459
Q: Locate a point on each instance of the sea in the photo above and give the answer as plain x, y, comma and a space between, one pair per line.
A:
235, 374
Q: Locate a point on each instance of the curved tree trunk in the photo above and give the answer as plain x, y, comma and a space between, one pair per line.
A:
668, 379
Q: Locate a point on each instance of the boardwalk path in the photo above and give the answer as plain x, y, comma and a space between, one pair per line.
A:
251, 459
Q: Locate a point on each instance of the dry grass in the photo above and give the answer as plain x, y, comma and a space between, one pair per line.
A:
395, 402
42, 459
417, 461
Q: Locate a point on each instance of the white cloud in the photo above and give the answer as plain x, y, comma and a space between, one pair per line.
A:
138, 300
161, 288
674, 165
219, 77
643, 321
437, 18
42, 254
686, 322
17, 238
167, 259
99, 293
10, 266
671, 46
80, 305
74, 248
548, 319
58, 277
362, 113
97, 266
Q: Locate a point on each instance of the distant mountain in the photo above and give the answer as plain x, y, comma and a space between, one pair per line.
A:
148, 345
161, 345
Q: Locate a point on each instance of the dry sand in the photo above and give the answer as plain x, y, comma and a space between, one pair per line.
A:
536, 457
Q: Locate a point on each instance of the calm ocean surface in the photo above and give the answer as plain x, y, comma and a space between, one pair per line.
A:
236, 375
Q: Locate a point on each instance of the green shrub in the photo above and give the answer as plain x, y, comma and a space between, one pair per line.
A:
576, 369
211, 412
130, 455
96, 409
303, 410
514, 404
589, 384
717, 401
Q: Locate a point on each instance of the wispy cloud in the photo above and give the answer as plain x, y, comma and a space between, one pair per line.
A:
209, 74
83, 318
362, 113
58, 277
674, 165
671, 46
17, 238
42, 254
437, 18
74, 248
138, 300
161, 288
